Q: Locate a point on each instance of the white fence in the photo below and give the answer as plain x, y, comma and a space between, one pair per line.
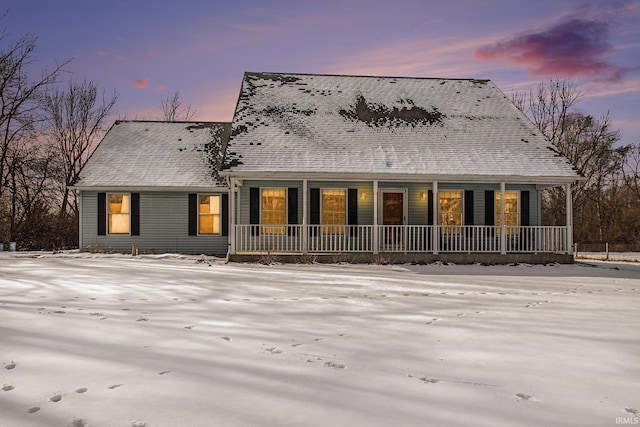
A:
318, 239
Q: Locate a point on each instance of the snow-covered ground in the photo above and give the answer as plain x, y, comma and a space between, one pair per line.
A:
98, 340
611, 256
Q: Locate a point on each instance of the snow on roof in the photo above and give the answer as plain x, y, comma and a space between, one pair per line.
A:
157, 154
385, 125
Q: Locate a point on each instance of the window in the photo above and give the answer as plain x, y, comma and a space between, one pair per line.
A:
334, 211
208, 214
119, 213
450, 210
274, 210
511, 211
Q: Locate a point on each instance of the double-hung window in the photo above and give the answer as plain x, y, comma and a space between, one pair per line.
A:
511, 211
334, 211
209, 214
119, 213
274, 210
450, 211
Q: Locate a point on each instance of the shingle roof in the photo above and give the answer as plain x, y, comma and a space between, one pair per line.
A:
385, 125
156, 154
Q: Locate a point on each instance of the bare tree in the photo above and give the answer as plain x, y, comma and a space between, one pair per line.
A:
20, 120
590, 144
631, 171
550, 105
172, 110
76, 121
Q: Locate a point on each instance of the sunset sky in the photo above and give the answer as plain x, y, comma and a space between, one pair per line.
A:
201, 48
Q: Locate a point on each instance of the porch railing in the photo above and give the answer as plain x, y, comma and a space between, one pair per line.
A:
298, 239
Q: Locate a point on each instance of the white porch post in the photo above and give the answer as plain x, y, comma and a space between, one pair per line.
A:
503, 235
569, 219
232, 216
305, 232
81, 214
375, 218
435, 237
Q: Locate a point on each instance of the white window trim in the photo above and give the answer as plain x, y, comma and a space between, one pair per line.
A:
109, 233
346, 210
495, 199
452, 190
220, 214
346, 202
286, 209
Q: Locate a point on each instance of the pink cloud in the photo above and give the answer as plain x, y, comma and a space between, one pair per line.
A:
571, 48
141, 83
162, 88
152, 52
105, 54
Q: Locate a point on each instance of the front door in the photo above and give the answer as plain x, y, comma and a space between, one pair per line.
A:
393, 215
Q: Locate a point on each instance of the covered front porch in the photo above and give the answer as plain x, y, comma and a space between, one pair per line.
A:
328, 239
405, 221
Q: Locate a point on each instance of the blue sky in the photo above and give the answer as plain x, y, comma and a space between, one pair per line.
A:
145, 49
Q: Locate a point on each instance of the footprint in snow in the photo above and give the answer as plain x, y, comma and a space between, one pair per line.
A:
57, 398
226, 338
78, 422
334, 365
142, 319
11, 365
113, 387
81, 390
8, 388
188, 327
523, 396
33, 409
164, 372
138, 424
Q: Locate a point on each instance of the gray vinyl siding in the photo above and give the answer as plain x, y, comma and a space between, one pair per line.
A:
243, 206
365, 211
478, 199
163, 227
417, 208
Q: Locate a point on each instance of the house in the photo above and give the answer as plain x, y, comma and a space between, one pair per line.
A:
340, 167
155, 185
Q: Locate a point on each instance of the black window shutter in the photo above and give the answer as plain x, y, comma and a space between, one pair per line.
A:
489, 207
352, 210
135, 214
430, 207
102, 214
292, 206
468, 207
193, 214
254, 205
292, 209
314, 208
225, 215
254, 209
524, 214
